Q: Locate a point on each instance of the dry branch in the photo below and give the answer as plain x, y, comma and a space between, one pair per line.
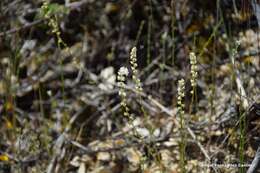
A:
255, 165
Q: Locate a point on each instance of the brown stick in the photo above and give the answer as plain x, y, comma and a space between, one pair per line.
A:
29, 25
255, 165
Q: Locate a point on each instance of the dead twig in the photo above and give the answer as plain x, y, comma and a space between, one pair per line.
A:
88, 150
255, 165
242, 92
26, 26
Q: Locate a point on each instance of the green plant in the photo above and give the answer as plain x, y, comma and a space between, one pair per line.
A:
242, 117
181, 106
52, 12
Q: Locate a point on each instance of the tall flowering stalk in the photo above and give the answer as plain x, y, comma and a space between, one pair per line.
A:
194, 71
133, 62
181, 95
136, 79
193, 80
121, 77
52, 22
180, 107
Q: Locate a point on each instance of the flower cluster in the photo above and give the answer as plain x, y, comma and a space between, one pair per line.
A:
121, 77
133, 62
181, 95
52, 22
194, 69
234, 51
180, 107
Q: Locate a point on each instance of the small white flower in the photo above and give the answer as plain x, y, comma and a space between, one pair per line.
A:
133, 53
238, 42
123, 71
